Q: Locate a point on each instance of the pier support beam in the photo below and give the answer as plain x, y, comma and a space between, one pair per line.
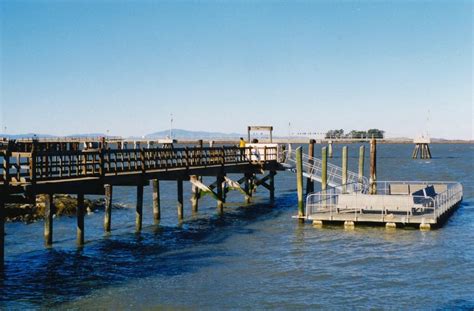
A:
139, 209
299, 182
108, 207
80, 220
344, 168
48, 220
309, 181
156, 201
373, 166
248, 187
272, 186
196, 194
180, 200
220, 194
361, 163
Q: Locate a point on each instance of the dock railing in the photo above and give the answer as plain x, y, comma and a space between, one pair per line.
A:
415, 202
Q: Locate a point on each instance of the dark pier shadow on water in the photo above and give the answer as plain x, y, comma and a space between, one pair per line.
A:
49, 277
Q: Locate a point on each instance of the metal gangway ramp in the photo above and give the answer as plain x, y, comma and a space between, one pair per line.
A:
312, 168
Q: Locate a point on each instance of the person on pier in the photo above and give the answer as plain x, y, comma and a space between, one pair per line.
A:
242, 143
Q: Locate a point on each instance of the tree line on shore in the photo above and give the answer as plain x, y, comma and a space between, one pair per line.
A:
338, 134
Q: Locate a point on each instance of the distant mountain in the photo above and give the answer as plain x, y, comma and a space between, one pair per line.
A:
180, 134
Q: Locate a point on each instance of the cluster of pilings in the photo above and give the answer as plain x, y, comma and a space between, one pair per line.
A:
221, 186
423, 149
325, 152
139, 168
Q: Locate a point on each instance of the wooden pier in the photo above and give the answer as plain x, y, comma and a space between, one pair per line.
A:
30, 168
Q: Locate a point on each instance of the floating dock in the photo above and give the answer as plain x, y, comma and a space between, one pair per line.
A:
395, 204
350, 198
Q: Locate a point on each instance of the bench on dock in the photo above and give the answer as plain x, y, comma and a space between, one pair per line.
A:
366, 202
379, 203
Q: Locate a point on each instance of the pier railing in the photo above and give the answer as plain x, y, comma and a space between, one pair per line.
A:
388, 200
36, 166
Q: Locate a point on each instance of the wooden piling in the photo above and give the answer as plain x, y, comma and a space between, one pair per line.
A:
309, 181
180, 205
373, 166
272, 186
344, 168
139, 209
80, 219
195, 196
48, 220
299, 181
248, 188
108, 207
361, 163
220, 194
156, 201
324, 168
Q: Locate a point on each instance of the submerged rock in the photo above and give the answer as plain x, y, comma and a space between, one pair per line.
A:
66, 205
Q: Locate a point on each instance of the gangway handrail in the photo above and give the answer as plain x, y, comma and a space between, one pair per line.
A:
312, 168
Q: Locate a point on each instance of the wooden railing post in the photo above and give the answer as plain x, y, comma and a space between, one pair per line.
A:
186, 157
223, 156
33, 163
142, 160
6, 165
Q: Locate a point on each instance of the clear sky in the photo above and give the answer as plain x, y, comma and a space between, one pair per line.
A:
124, 66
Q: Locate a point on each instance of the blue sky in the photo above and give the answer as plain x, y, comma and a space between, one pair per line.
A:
124, 66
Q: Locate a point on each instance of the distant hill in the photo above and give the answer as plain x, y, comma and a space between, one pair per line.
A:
180, 134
